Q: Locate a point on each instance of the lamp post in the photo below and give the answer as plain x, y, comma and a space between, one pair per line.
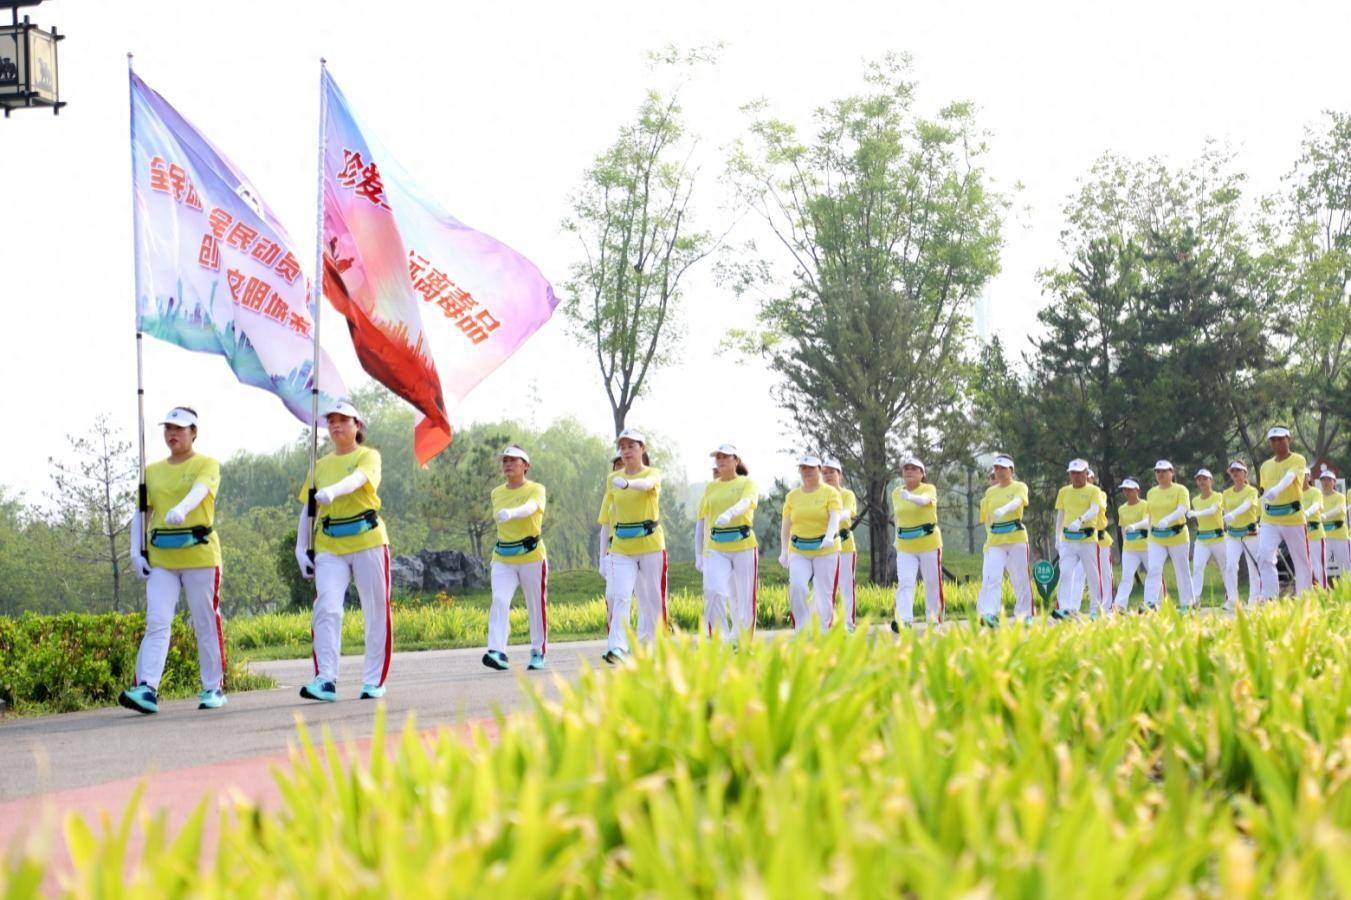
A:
29, 74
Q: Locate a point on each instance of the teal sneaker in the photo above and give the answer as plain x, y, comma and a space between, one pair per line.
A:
372, 691
496, 659
536, 661
319, 689
989, 620
142, 699
211, 699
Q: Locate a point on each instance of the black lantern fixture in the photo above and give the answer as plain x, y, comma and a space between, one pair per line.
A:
29, 75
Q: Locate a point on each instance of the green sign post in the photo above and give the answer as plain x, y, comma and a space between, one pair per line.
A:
1047, 575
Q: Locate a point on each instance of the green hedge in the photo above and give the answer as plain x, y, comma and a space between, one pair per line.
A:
79, 660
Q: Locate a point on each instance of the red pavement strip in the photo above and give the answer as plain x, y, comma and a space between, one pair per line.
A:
37, 821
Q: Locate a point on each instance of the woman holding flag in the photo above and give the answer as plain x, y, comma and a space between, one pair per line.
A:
349, 545
633, 546
845, 586
725, 546
181, 556
518, 561
1241, 543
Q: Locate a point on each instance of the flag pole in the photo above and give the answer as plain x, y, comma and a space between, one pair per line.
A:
142, 503
317, 299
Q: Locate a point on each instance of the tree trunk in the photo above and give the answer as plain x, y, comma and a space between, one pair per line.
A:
882, 565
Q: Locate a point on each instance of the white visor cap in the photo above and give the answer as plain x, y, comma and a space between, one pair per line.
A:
179, 416
515, 452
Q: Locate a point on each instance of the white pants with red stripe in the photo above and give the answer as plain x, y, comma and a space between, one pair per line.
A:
641, 576
1204, 552
1132, 561
1296, 540
731, 591
533, 580
1105, 579
1015, 560
1337, 553
846, 589
1158, 555
909, 566
1080, 564
1318, 560
814, 575
332, 573
1241, 550
201, 589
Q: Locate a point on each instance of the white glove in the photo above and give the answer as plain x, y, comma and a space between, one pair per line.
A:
907, 496
783, 558
303, 559
140, 566
502, 515
175, 516
600, 566
722, 519
828, 542
698, 562
185, 506
1006, 508
1074, 524
1193, 514
323, 496
303, 529
1229, 518
620, 482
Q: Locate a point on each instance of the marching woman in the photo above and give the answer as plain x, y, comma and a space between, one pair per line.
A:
919, 545
518, 561
1132, 517
725, 546
1077, 506
183, 556
1241, 543
1282, 519
349, 545
635, 545
1168, 538
1313, 523
1208, 511
811, 520
1336, 551
1006, 548
833, 473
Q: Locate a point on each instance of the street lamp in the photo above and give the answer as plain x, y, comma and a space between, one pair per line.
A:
29, 75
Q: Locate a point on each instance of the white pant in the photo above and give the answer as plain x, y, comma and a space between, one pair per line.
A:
814, 574
1079, 564
846, 588
1158, 554
1016, 561
1296, 540
1203, 553
1132, 561
533, 580
1105, 583
643, 576
731, 589
201, 589
929, 566
1243, 550
1318, 560
1337, 553
369, 568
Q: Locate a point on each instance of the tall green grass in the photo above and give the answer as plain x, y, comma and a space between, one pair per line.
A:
1132, 757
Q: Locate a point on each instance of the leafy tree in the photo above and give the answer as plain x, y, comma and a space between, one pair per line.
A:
888, 230
633, 218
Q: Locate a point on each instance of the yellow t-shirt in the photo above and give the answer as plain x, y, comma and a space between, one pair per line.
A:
914, 519
514, 530
166, 484
1272, 472
1234, 498
720, 496
1210, 522
1162, 501
1334, 516
808, 514
1129, 514
1104, 534
996, 497
850, 503
630, 508
1073, 502
603, 517
330, 470
1313, 521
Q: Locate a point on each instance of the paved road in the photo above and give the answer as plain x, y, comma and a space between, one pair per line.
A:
76, 750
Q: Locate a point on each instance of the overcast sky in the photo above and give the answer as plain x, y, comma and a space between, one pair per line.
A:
497, 108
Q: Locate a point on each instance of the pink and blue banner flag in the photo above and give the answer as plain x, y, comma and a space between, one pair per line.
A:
433, 305
215, 270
